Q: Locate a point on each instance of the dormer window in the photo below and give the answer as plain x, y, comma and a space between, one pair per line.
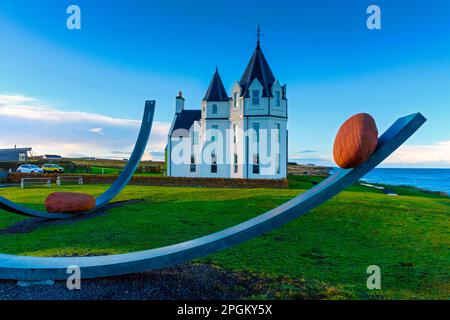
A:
214, 109
255, 97
277, 98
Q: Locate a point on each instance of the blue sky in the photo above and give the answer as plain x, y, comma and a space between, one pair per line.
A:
79, 92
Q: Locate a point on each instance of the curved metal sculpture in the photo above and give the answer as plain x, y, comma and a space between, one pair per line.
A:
120, 183
46, 268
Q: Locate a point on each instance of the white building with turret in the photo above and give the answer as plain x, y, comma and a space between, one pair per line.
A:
239, 136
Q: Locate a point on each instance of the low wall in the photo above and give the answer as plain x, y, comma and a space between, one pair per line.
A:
165, 181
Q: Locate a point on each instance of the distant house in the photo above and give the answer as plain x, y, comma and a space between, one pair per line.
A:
52, 157
14, 154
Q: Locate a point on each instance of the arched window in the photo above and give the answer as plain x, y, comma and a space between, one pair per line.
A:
214, 109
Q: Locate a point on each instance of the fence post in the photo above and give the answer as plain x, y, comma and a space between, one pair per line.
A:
49, 183
22, 183
80, 180
58, 181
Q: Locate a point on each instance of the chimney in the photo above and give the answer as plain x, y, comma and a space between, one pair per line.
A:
179, 103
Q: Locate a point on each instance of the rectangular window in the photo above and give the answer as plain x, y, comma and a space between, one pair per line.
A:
236, 167
193, 167
277, 98
278, 132
235, 99
195, 138
256, 163
235, 128
213, 163
255, 97
256, 133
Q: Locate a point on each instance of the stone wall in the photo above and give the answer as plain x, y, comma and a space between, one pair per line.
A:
305, 170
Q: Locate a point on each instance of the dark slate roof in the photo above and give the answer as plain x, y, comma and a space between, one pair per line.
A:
186, 119
216, 90
257, 68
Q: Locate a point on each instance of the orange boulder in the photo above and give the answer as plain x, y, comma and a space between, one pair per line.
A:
355, 141
67, 202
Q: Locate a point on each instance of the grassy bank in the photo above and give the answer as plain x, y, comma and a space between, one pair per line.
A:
325, 252
116, 171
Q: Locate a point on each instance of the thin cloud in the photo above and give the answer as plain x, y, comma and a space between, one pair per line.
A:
25, 121
97, 131
28, 108
437, 154
307, 151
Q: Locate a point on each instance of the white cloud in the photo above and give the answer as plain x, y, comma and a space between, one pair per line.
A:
97, 131
29, 108
25, 121
11, 99
437, 154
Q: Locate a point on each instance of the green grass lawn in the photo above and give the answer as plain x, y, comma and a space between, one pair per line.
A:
98, 170
105, 170
325, 252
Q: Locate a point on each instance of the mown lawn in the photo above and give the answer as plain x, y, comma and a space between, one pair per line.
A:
107, 170
325, 252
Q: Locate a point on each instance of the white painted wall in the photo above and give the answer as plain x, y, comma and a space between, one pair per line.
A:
220, 146
269, 154
222, 107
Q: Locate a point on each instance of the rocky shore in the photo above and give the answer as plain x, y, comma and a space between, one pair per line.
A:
308, 170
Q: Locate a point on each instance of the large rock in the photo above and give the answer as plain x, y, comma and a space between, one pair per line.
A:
356, 140
67, 202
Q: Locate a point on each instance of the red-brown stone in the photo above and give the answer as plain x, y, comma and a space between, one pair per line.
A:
67, 202
356, 140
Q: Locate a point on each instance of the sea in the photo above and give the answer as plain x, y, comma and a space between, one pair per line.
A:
426, 179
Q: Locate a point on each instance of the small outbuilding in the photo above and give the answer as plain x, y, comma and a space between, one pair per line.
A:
14, 154
52, 157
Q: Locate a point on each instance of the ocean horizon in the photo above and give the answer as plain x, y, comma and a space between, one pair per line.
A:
430, 179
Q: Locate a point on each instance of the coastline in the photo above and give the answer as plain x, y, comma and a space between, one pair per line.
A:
429, 180
388, 187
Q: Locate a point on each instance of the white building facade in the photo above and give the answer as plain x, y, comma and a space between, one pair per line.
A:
239, 136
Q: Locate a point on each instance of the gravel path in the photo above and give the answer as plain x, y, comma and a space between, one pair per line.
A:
188, 281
